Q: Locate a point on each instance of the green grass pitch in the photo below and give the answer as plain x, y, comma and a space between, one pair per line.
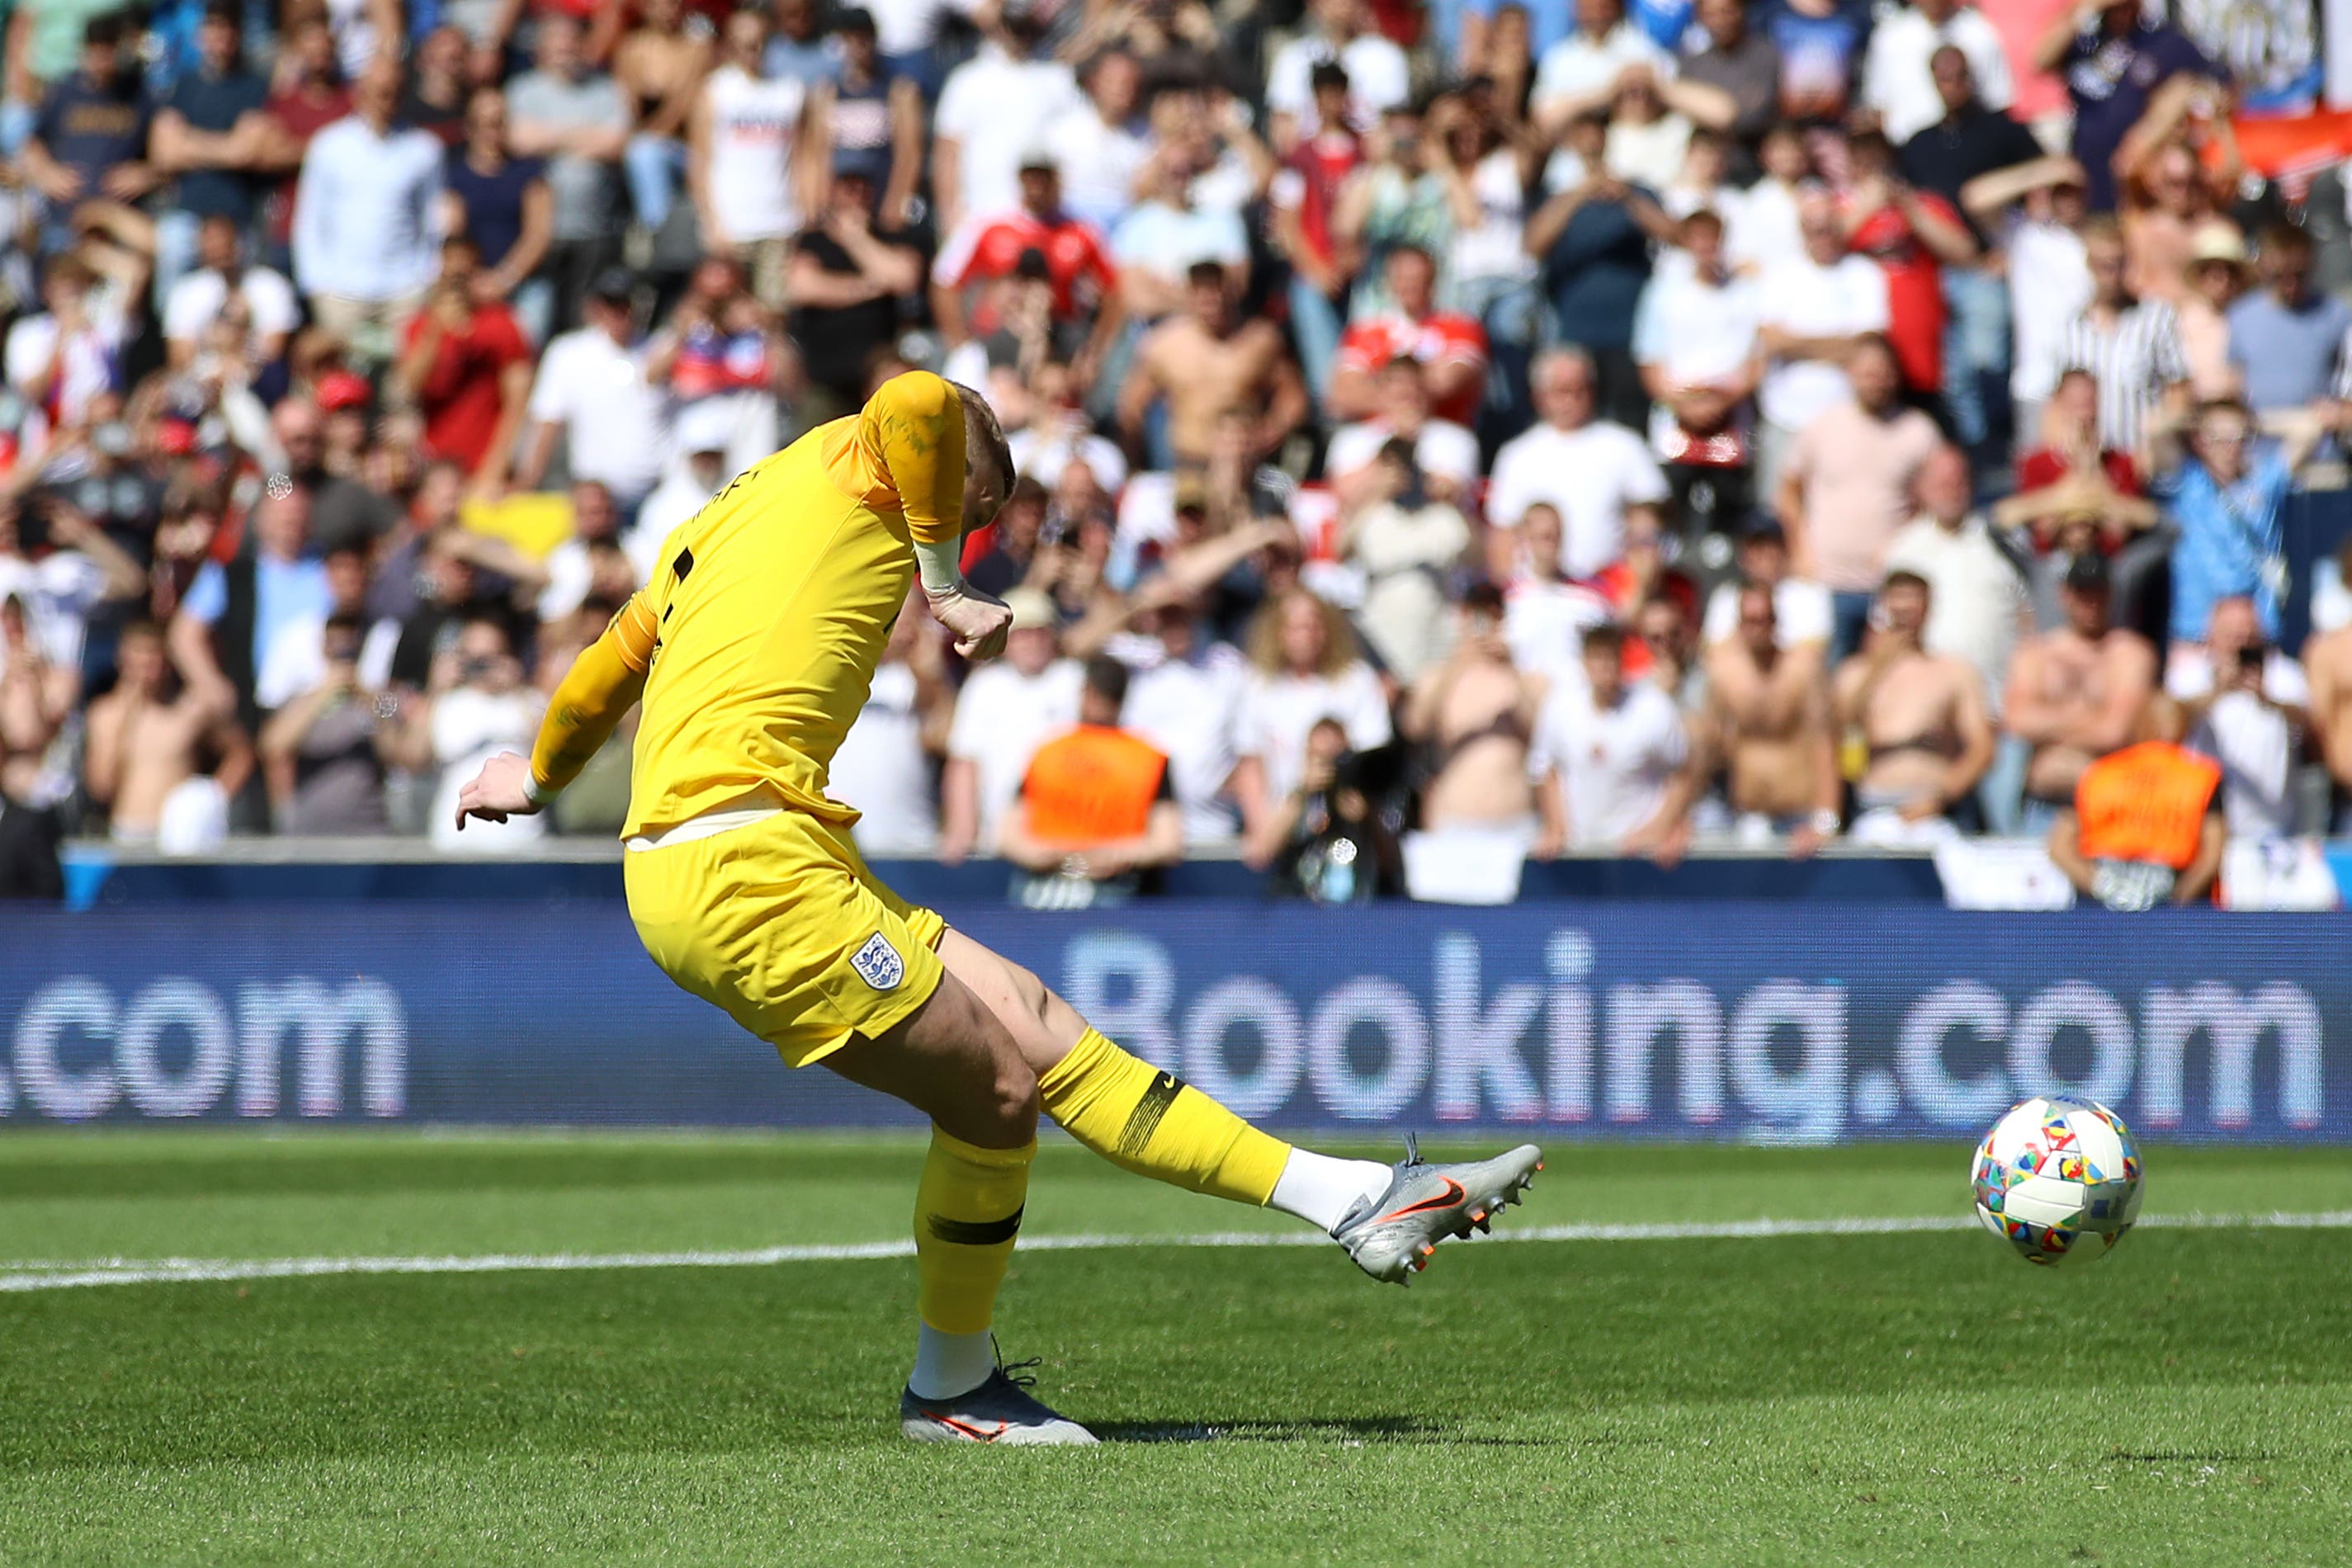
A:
1913, 1398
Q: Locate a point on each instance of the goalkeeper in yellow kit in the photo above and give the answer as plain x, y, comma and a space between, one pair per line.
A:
753, 650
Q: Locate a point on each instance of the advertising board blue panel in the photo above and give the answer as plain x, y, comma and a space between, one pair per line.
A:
1714, 1020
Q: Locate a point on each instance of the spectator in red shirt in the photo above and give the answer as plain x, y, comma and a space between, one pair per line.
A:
1078, 263
465, 362
1912, 236
1450, 349
1305, 194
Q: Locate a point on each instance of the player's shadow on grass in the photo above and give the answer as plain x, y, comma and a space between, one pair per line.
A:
1341, 1429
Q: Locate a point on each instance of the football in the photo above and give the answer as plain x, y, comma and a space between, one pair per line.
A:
2058, 1179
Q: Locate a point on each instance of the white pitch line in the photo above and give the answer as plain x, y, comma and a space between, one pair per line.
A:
196, 1270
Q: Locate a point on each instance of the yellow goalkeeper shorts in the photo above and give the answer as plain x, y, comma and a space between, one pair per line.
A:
779, 923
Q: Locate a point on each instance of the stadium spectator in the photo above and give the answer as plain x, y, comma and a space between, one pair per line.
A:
504, 206
1303, 668
1195, 368
151, 740
1898, 75
1096, 805
1816, 309
196, 303
210, 137
87, 154
2286, 341
2247, 706
464, 362
2075, 694
2114, 58
592, 391
1305, 198
69, 571
2130, 347
1767, 724
1611, 760
800, 50
2226, 501
1186, 697
1846, 486
2167, 196
1450, 350
476, 706
62, 362
38, 697
595, 564
2327, 658
993, 110
2144, 826
2217, 272
755, 160
1592, 240
1407, 544
30, 833
235, 613
1004, 713
1695, 337
1597, 475
1546, 615
1472, 716
1338, 840
324, 754
1085, 310
888, 762
367, 218
434, 100
1921, 719
660, 64
578, 119
1579, 74
868, 117
1742, 64
1444, 453
1979, 606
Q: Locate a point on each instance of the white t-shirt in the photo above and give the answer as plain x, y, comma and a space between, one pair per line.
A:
2048, 286
1592, 473
1613, 763
1763, 230
2254, 741
1577, 65
1802, 613
1043, 455
1190, 708
1443, 448
1495, 247
996, 108
1809, 299
1895, 79
1978, 598
754, 123
1544, 626
1098, 164
1277, 711
1001, 717
86, 362
1648, 155
1169, 242
1378, 78
58, 592
469, 728
598, 390
197, 300
880, 769
1698, 333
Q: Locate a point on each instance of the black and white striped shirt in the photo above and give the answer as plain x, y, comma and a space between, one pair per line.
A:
2134, 362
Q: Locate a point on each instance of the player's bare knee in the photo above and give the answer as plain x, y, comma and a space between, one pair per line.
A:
1016, 1100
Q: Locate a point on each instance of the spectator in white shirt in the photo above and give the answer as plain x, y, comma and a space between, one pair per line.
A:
1979, 606
480, 707
1599, 474
63, 360
1186, 700
1379, 76
1609, 761
1004, 713
1407, 546
995, 106
1696, 339
1303, 668
1579, 74
592, 390
1802, 611
1816, 309
1099, 144
2247, 708
1896, 79
1765, 227
367, 218
1445, 453
196, 299
885, 764
1544, 616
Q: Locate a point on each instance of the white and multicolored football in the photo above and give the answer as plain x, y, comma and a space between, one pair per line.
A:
2059, 1180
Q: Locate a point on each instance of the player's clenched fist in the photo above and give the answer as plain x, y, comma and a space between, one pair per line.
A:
978, 621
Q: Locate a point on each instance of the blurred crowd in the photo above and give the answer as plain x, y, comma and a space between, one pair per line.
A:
1511, 427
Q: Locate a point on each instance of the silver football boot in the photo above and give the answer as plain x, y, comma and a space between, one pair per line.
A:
999, 1411
1392, 1236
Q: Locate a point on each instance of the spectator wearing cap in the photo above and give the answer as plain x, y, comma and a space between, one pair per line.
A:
1846, 486
1097, 803
1085, 303
1898, 76
222, 273
1378, 78
1610, 759
2286, 341
88, 152
1816, 309
593, 392
850, 269
2216, 278
1304, 669
1597, 474
503, 204
755, 163
367, 219
464, 362
1004, 713
868, 118
578, 119
1802, 613
1449, 349
994, 109
1099, 145
211, 135
1979, 606
1695, 337
2074, 694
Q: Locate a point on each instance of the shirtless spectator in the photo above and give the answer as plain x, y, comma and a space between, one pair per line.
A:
2077, 693
1847, 488
1449, 349
1767, 719
2328, 661
1474, 714
1922, 717
1203, 362
148, 737
1610, 759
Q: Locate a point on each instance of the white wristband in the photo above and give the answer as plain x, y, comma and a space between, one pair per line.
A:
534, 792
940, 567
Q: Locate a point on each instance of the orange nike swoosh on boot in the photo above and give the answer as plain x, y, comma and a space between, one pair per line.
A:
1452, 1195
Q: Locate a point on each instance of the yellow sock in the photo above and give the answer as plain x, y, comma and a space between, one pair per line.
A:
1157, 1125
967, 1213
